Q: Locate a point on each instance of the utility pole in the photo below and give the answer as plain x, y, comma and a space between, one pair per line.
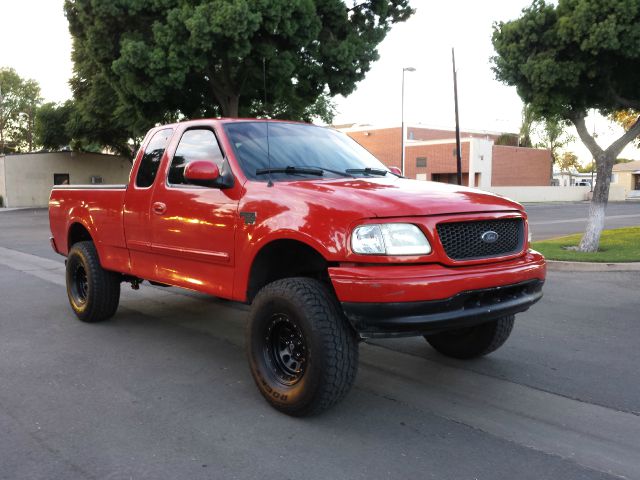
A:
455, 97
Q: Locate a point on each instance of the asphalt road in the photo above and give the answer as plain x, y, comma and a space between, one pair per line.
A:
548, 220
163, 391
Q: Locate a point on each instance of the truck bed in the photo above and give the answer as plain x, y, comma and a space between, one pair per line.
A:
97, 209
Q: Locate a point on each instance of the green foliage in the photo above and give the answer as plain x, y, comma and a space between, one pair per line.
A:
528, 118
567, 161
579, 55
19, 101
51, 128
618, 245
569, 58
588, 168
138, 63
552, 134
626, 118
509, 139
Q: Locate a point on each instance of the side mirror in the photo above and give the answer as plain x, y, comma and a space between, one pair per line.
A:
202, 172
395, 170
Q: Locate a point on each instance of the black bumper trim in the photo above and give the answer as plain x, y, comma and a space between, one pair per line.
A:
462, 310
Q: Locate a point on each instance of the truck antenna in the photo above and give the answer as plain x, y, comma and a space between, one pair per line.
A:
264, 84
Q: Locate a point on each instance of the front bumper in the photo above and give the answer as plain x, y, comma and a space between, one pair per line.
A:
410, 300
462, 310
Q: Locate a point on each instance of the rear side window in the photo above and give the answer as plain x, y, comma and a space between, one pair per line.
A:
151, 158
197, 144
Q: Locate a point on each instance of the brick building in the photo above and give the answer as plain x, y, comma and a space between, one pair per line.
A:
430, 155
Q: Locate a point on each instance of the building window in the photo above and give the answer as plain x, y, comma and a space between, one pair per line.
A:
421, 162
61, 179
411, 135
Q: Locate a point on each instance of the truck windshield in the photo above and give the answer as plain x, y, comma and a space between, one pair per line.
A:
299, 151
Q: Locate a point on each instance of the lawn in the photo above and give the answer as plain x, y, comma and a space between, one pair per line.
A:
618, 245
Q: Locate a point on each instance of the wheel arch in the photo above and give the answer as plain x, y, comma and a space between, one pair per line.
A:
285, 258
77, 232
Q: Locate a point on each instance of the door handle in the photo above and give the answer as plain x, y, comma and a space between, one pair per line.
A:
159, 208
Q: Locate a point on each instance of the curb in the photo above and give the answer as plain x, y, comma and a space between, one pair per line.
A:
559, 266
13, 209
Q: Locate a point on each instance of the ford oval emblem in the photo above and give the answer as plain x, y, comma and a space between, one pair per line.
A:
489, 237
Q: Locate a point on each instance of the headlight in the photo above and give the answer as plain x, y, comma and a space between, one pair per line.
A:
389, 239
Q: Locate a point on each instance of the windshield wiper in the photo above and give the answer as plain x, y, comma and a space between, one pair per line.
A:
337, 172
367, 171
291, 171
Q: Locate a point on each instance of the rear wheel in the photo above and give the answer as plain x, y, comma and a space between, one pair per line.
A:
303, 355
471, 342
94, 293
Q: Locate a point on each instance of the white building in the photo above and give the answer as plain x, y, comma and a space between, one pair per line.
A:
26, 178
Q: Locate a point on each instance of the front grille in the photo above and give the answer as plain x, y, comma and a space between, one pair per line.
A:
463, 240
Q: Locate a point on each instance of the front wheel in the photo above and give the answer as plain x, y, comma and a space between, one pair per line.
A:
94, 293
303, 355
471, 342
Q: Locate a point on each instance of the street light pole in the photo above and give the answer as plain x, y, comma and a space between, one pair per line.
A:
455, 97
405, 69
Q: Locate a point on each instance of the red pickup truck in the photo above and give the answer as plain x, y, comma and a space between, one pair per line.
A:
328, 245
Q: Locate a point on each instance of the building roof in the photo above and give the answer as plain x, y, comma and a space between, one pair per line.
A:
626, 167
363, 127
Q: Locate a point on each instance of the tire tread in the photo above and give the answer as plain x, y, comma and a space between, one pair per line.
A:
340, 351
105, 286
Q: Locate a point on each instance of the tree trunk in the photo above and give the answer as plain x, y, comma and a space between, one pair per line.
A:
605, 160
229, 103
591, 238
233, 106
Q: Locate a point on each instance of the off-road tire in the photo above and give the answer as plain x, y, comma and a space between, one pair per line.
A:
94, 293
472, 342
309, 313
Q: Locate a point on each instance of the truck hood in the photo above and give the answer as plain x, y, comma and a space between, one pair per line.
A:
401, 197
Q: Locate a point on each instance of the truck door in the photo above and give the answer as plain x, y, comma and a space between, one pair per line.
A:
193, 227
137, 203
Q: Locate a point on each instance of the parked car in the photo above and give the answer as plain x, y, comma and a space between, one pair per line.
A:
326, 243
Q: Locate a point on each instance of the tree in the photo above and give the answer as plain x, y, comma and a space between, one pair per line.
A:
9, 104
30, 101
19, 101
510, 140
528, 119
626, 119
588, 168
569, 58
567, 161
552, 134
52, 125
194, 58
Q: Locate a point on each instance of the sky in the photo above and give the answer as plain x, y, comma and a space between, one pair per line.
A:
41, 49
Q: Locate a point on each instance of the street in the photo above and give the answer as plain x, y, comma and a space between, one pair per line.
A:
163, 390
548, 220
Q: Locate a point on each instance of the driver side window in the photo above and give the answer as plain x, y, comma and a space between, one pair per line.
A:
196, 144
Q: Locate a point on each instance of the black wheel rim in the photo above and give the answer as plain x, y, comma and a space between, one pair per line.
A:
79, 284
285, 349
